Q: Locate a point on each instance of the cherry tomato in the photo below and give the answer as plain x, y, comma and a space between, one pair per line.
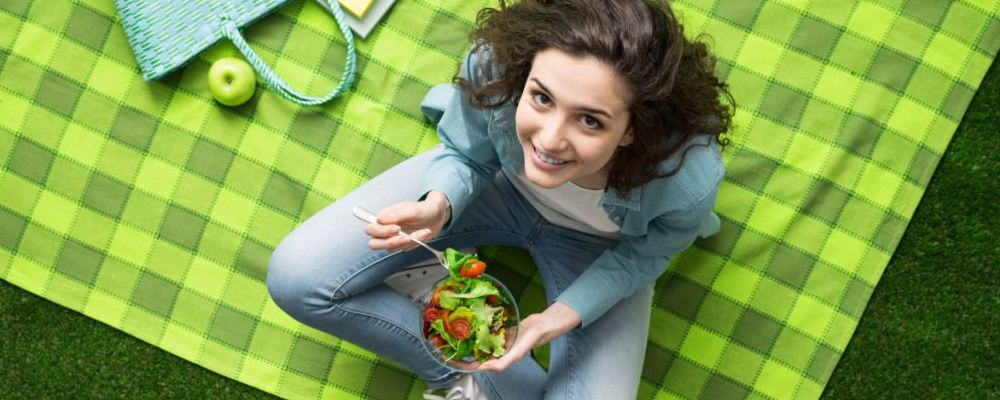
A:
464, 269
431, 314
492, 300
438, 340
474, 270
461, 329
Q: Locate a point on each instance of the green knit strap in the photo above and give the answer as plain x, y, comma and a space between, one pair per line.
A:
273, 81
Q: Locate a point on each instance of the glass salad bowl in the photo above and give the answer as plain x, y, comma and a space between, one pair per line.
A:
467, 320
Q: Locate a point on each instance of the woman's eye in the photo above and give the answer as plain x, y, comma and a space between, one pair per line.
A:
591, 122
541, 98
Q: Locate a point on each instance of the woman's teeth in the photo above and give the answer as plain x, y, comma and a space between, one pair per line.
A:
548, 160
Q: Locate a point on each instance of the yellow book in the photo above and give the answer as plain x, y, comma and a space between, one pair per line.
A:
358, 8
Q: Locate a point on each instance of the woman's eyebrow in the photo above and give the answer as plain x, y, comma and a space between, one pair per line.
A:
585, 109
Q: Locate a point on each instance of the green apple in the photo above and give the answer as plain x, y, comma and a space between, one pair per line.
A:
231, 81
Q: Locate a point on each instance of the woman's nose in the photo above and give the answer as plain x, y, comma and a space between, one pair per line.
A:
551, 136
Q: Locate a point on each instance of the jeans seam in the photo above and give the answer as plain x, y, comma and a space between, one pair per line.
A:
535, 232
547, 275
570, 368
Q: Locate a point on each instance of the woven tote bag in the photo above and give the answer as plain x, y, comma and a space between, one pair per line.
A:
166, 34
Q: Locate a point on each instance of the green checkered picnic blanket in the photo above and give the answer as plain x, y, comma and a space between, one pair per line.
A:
147, 206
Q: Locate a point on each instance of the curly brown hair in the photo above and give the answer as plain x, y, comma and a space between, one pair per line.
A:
675, 94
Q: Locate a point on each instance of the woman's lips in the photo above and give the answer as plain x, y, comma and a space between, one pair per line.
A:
536, 158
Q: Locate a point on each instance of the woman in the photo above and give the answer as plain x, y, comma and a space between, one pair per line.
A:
584, 131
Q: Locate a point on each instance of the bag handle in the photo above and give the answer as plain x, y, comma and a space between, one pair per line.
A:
273, 81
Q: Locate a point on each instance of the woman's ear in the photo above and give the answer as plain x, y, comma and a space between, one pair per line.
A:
627, 138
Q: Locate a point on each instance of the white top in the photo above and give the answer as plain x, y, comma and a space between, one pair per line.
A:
569, 206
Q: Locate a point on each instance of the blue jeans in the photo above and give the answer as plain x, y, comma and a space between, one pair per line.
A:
324, 275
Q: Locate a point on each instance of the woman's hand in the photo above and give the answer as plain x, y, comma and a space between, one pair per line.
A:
535, 330
421, 219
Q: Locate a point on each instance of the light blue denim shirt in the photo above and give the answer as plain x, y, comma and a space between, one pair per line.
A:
657, 220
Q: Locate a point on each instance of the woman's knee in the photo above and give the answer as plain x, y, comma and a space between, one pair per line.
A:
297, 276
305, 269
286, 283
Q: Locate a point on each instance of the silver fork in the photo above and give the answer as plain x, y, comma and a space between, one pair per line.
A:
370, 218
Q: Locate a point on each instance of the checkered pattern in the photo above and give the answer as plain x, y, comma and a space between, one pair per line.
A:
148, 207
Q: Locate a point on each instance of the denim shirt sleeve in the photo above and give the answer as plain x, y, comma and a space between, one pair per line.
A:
469, 160
636, 261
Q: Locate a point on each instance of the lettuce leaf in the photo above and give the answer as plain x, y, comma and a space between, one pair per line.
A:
483, 313
477, 288
498, 320
463, 349
449, 299
475, 302
489, 343
486, 342
473, 293
455, 260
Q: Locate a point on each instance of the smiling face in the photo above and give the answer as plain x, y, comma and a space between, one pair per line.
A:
571, 117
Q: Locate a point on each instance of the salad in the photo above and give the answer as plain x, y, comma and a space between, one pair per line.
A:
466, 315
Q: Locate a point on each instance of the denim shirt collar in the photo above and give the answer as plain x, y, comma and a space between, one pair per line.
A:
613, 197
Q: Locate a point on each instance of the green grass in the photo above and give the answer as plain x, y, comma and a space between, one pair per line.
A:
930, 330
933, 324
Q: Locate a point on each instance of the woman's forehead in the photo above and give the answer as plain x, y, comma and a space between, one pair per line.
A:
580, 80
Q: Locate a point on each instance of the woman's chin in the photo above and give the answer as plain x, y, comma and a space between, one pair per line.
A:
544, 179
